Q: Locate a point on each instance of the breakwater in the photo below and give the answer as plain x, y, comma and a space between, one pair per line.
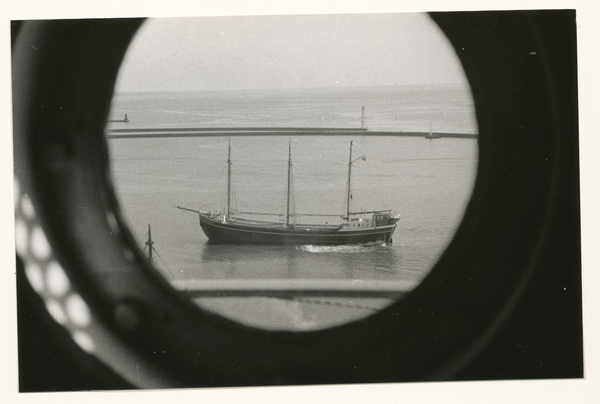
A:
267, 131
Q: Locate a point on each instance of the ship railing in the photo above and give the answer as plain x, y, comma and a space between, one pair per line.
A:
235, 219
237, 212
264, 223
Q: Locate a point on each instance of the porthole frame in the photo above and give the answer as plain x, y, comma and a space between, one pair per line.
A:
517, 245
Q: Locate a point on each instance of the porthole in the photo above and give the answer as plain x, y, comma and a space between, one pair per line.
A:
281, 147
517, 246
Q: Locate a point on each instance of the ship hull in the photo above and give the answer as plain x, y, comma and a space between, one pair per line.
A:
235, 233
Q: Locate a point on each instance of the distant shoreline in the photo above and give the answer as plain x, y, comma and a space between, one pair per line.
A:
268, 131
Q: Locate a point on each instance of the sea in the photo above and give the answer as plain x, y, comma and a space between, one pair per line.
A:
428, 182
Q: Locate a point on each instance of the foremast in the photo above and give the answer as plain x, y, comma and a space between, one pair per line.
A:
348, 195
289, 185
229, 180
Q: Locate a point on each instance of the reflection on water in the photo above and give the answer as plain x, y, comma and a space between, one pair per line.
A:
377, 261
351, 262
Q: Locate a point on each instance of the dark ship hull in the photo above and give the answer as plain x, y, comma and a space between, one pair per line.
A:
226, 231
356, 227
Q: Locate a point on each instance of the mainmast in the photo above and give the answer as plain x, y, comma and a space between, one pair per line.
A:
349, 175
229, 179
289, 184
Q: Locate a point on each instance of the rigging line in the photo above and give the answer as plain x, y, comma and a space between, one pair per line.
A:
234, 198
317, 214
292, 214
258, 213
283, 203
213, 188
293, 196
161, 260
144, 242
241, 219
207, 176
186, 212
345, 201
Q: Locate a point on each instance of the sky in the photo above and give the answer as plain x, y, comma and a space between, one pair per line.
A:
288, 51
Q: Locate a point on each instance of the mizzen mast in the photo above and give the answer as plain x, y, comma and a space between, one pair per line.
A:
349, 194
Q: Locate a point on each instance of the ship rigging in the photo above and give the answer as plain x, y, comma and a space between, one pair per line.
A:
356, 227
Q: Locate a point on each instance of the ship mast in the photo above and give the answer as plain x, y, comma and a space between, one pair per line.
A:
349, 175
289, 184
349, 195
229, 179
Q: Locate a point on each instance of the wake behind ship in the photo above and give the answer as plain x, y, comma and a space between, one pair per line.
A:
356, 227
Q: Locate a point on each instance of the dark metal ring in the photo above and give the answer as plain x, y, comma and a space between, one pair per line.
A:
517, 245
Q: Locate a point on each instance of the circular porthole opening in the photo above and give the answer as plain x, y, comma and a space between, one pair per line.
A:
320, 164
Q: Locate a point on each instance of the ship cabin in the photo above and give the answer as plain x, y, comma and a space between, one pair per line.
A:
383, 218
378, 218
357, 223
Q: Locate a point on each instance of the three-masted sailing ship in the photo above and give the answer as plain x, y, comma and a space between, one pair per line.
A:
355, 228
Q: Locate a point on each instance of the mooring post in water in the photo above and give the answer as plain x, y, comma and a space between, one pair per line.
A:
362, 118
150, 243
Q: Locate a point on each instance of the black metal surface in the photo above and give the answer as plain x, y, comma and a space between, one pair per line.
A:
503, 302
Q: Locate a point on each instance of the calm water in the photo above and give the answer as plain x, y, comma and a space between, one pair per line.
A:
427, 182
